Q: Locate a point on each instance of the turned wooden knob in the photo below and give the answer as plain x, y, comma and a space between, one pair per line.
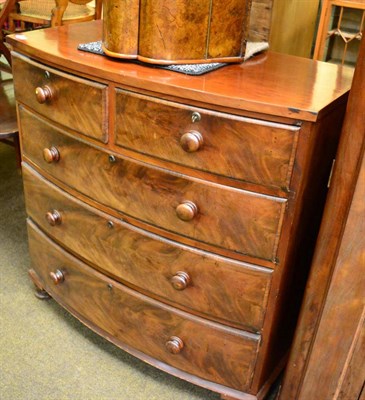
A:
54, 217
57, 277
51, 155
187, 210
191, 141
43, 94
180, 280
174, 345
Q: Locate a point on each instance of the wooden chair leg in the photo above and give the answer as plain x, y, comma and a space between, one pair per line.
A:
58, 11
98, 8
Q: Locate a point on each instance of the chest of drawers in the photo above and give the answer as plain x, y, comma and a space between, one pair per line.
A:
175, 215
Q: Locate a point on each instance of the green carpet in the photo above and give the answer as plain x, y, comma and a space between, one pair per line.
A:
47, 354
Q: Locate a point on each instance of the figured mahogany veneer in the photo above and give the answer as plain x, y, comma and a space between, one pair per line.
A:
259, 152
148, 262
236, 220
176, 215
149, 324
51, 92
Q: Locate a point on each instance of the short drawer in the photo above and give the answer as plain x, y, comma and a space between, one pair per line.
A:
184, 277
208, 350
220, 216
76, 103
240, 148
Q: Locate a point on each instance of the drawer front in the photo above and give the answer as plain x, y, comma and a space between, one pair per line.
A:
184, 277
232, 146
240, 221
76, 103
210, 351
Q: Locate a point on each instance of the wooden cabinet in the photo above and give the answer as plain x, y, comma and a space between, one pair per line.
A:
340, 30
327, 355
175, 215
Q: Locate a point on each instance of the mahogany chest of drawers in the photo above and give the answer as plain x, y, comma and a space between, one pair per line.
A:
175, 215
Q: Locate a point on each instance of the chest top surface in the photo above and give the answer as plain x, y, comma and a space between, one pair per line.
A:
270, 83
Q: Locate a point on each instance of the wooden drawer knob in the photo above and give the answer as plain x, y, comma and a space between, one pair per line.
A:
43, 94
174, 345
51, 155
54, 217
191, 141
187, 210
57, 276
180, 280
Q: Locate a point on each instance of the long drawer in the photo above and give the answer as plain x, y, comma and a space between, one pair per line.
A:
208, 350
182, 276
241, 221
240, 148
77, 103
